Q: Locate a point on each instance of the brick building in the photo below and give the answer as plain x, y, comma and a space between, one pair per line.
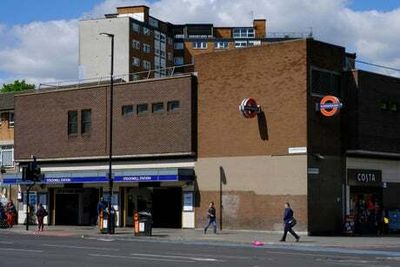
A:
180, 142
144, 43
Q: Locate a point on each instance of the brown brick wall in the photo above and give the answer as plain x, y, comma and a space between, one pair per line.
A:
6, 132
41, 127
276, 76
247, 210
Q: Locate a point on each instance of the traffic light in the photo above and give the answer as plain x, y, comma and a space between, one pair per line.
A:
32, 172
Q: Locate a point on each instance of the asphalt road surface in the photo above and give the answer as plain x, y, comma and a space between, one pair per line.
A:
36, 250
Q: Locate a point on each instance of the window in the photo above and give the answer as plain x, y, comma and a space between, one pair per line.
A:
10, 119
239, 44
127, 110
146, 48
136, 44
146, 31
153, 22
199, 45
393, 106
142, 109
178, 60
383, 105
163, 37
243, 33
170, 40
7, 156
158, 107
86, 121
157, 51
173, 105
72, 122
324, 83
178, 46
221, 45
146, 64
255, 43
157, 35
169, 56
136, 27
136, 61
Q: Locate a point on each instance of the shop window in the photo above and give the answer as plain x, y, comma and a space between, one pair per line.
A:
158, 107
173, 105
127, 110
324, 82
142, 109
86, 121
72, 122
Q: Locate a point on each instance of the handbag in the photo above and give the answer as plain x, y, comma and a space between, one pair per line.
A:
292, 222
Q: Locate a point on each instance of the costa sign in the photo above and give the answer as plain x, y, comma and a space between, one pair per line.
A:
330, 106
249, 108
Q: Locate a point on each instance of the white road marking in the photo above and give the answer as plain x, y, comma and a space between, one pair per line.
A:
210, 256
21, 250
80, 247
6, 242
138, 258
175, 257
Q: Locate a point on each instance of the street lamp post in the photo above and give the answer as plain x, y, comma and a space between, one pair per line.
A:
110, 225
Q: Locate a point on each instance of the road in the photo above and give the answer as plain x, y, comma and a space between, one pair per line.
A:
39, 250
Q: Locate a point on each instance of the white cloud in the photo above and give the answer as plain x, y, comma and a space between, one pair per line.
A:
49, 50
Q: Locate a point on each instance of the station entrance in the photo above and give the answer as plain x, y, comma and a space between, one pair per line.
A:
75, 206
164, 203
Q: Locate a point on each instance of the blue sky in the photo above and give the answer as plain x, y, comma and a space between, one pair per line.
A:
39, 39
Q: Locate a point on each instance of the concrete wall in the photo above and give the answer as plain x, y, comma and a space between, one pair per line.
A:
95, 49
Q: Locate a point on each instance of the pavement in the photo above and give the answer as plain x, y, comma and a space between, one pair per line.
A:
225, 237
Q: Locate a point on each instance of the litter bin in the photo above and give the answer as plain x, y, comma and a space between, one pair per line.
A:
106, 220
143, 223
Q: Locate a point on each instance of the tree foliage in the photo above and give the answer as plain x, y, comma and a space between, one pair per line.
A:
16, 86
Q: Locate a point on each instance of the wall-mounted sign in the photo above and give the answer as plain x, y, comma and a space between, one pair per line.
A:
330, 106
360, 177
249, 108
297, 150
187, 201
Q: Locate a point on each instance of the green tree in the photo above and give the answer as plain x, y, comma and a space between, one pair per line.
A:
16, 86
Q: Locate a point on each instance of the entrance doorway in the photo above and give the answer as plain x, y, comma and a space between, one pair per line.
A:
68, 213
167, 207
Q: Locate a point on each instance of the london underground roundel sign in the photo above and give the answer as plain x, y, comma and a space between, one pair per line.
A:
249, 108
330, 106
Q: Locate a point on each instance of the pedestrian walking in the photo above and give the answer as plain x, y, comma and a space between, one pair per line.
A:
211, 218
11, 213
288, 222
40, 214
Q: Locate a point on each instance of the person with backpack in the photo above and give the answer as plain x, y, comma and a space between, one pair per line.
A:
288, 222
40, 214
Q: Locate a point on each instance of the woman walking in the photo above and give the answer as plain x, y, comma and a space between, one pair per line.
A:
40, 214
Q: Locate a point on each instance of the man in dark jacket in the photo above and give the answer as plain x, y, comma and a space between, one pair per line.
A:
211, 217
288, 223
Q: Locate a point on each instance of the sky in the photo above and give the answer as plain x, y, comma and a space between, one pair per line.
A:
39, 39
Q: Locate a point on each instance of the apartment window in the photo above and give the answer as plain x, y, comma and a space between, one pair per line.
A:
178, 60
7, 156
243, 33
157, 35
72, 122
240, 44
146, 64
157, 107
10, 119
178, 46
136, 44
163, 37
324, 82
170, 40
136, 61
153, 22
173, 105
146, 48
157, 51
221, 45
169, 56
136, 27
86, 121
199, 45
142, 109
127, 110
162, 54
146, 31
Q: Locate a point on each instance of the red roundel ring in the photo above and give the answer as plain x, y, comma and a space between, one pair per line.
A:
248, 108
329, 105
